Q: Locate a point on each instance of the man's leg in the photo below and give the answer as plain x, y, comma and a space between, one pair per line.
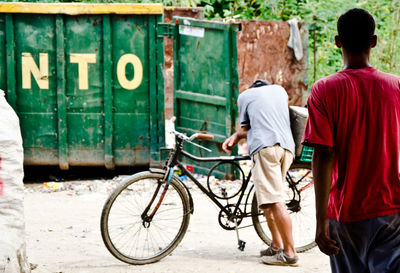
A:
278, 218
352, 239
384, 251
266, 168
280, 210
277, 242
371, 245
269, 185
282, 225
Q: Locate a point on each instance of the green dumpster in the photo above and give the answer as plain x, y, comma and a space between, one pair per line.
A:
86, 81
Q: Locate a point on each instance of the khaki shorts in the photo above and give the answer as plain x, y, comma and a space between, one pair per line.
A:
270, 165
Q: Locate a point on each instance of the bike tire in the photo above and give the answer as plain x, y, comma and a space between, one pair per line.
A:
125, 199
303, 221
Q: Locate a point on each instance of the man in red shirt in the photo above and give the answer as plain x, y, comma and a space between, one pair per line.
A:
354, 127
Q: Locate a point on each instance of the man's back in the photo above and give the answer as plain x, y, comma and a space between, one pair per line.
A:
358, 114
266, 110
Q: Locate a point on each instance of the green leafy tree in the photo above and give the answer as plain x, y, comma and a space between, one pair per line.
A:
321, 17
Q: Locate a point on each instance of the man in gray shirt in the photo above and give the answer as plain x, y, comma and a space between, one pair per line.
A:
265, 122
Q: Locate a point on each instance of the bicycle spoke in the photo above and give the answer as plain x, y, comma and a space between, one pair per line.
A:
140, 240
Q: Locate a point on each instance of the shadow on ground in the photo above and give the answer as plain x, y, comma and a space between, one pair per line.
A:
53, 173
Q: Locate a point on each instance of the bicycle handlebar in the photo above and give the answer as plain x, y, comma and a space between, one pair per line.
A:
192, 137
205, 136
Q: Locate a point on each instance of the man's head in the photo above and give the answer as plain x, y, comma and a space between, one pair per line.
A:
259, 83
356, 29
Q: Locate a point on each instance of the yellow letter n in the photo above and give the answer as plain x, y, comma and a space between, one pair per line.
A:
29, 67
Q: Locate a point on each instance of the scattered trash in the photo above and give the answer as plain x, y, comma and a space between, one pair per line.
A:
178, 172
33, 266
183, 177
74, 188
80, 188
53, 186
80, 192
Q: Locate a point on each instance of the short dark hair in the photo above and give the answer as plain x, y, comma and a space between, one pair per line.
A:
259, 83
355, 28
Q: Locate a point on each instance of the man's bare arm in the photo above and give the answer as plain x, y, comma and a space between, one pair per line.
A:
230, 142
322, 172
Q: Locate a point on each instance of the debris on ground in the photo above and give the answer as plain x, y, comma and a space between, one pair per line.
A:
106, 186
75, 187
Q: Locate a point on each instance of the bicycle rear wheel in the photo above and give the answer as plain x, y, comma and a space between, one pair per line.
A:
125, 233
302, 210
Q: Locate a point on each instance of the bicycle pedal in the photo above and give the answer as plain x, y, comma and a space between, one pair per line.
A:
242, 245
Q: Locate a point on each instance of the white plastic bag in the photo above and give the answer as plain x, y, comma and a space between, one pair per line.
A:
12, 223
298, 122
169, 136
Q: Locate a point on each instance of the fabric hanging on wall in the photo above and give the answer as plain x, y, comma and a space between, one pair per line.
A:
295, 39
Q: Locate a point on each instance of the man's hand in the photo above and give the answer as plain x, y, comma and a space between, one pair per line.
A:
323, 240
230, 142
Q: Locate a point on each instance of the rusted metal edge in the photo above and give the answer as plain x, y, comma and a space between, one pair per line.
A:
160, 89
108, 96
153, 88
234, 76
228, 81
61, 99
80, 8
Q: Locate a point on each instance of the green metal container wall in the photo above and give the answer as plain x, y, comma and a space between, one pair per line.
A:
206, 83
88, 88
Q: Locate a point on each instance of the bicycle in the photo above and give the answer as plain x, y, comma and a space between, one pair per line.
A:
147, 215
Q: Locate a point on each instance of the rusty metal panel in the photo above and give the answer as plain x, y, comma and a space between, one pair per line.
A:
278, 64
87, 88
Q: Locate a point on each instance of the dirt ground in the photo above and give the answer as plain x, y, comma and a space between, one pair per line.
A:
63, 235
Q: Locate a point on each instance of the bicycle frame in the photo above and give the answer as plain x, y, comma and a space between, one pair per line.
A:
225, 159
173, 160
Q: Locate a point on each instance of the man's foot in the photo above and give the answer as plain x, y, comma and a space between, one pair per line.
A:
280, 259
270, 251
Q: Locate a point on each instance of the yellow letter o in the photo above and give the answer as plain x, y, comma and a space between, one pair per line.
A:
138, 71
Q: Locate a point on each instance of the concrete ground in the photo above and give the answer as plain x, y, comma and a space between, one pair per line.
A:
63, 235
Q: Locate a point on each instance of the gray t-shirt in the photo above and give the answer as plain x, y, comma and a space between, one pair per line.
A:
265, 109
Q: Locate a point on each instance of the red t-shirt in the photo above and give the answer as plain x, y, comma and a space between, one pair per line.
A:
357, 113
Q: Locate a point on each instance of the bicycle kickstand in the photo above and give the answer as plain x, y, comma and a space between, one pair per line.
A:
241, 244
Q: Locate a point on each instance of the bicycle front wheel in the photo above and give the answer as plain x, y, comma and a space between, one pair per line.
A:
125, 232
301, 209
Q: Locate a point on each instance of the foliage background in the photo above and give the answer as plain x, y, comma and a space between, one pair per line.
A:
319, 15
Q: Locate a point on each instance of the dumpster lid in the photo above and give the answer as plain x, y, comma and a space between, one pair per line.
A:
80, 8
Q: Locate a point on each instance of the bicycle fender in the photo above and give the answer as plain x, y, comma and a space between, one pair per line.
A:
161, 171
188, 192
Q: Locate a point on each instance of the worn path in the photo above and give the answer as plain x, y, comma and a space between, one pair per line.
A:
63, 236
